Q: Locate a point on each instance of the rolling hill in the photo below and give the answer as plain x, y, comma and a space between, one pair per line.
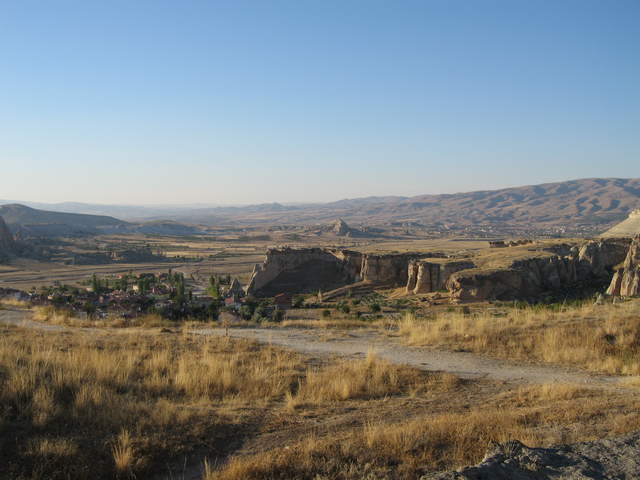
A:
598, 202
594, 203
47, 223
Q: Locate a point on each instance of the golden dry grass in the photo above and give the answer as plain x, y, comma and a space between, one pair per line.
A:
363, 379
536, 415
13, 302
601, 338
129, 400
65, 317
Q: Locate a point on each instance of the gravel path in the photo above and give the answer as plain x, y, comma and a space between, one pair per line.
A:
352, 343
463, 364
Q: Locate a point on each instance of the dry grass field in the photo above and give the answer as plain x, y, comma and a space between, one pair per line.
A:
137, 403
600, 338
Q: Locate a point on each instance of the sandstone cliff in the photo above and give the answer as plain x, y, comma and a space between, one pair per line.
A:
626, 280
426, 276
389, 269
304, 270
529, 278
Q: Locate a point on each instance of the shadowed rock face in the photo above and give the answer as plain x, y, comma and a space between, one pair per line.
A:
304, 270
626, 280
529, 278
307, 270
599, 460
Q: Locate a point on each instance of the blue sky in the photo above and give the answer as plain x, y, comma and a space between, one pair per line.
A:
257, 101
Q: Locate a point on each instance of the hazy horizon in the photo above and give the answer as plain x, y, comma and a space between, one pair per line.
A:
4, 201
240, 103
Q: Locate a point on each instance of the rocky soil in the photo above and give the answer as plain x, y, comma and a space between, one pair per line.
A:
615, 458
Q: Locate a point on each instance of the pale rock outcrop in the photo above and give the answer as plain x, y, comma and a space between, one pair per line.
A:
341, 228
529, 278
390, 269
626, 280
627, 228
426, 276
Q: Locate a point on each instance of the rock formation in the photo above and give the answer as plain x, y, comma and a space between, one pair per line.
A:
341, 228
601, 459
304, 270
626, 280
389, 269
529, 278
426, 276
628, 228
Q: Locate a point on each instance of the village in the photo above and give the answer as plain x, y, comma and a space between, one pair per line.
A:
169, 295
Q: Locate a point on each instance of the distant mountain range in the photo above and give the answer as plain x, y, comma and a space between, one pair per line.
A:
594, 201
27, 221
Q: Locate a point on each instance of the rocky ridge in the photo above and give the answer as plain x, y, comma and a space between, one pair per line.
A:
591, 264
306, 270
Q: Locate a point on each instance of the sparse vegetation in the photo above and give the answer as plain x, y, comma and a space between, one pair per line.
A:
128, 400
601, 338
537, 415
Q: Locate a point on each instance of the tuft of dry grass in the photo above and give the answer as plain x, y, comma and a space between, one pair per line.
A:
363, 379
603, 338
123, 453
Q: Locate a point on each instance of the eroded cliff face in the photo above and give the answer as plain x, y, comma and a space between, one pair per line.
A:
426, 276
304, 270
389, 269
530, 278
626, 280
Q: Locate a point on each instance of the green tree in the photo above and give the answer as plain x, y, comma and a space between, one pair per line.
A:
95, 283
298, 301
89, 308
277, 315
214, 288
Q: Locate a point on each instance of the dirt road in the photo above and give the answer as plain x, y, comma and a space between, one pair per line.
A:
464, 364
354, 343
